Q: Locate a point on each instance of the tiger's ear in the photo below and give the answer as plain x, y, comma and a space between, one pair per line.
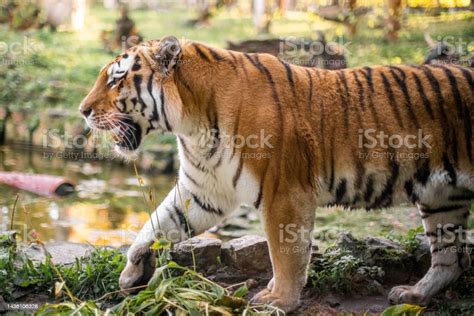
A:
166, 54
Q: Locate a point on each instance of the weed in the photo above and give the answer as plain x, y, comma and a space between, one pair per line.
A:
338, 270
408, 241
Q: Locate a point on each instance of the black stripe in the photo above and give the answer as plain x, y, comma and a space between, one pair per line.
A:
163, 111
341, 191
464, 195
188, 229
191, 159
424, 98
259, 196
409, 189
215, 55
403, 86
136, 65
191, 178
154, 115
214, 124
369, 188
178, 225
241, 61
201, 53
332, 163
391, 98
234, 61
454, 88
467, 75
385, 198
289, 76
253, 62
361, 91
368, 77
422, 174
360, 171
442, 209
137, 81
450, 169
206, 207
345, 95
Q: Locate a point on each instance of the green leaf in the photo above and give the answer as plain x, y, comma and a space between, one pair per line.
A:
161, 244
403, 310
241, 291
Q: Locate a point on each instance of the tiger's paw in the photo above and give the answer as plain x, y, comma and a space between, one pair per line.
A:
405, 294
286, 303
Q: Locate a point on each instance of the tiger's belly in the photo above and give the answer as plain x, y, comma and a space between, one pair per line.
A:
437, 188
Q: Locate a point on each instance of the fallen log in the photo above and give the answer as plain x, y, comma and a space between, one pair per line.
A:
45, 185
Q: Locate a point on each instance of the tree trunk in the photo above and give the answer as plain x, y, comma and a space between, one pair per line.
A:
393, 20
262, 15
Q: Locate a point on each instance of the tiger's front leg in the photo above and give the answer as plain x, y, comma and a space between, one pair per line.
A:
170, 221
288, 224
446, 229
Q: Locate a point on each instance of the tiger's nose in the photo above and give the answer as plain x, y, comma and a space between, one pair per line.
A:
86, 112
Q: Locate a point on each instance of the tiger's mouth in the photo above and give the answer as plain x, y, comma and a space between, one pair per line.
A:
127, 135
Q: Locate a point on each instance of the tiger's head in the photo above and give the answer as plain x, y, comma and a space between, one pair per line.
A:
128, 98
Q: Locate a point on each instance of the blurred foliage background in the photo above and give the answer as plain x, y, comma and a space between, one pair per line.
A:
50, 54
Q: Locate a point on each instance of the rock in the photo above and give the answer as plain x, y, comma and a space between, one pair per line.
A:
61, 252
251, 284
207, 252
11, 236
397, 263
248, 254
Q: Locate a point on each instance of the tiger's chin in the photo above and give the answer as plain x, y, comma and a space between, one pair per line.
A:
125, 153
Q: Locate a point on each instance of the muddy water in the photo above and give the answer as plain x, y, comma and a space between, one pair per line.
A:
108, 207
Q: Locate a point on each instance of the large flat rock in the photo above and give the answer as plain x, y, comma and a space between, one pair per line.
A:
61, 252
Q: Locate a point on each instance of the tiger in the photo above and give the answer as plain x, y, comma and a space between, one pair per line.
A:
285, 139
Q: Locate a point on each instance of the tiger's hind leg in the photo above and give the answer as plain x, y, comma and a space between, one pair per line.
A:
446, 229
